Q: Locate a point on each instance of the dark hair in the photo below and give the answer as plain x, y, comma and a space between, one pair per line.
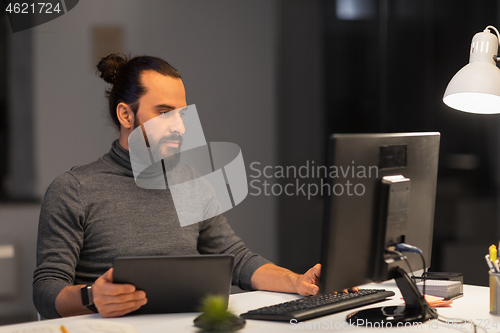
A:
125, 76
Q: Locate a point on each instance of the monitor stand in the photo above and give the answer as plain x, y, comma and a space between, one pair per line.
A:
416, 310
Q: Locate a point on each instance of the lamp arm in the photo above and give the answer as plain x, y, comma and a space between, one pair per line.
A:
498, 36
493, 28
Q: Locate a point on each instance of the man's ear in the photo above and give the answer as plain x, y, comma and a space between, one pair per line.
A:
125, 115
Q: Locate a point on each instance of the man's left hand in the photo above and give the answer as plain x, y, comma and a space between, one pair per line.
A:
274, 278
307, 284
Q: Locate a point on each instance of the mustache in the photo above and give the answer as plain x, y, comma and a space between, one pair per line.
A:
172, 137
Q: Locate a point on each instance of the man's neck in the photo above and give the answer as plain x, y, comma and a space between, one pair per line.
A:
123, 140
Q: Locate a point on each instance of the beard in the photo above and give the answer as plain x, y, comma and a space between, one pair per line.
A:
172, 156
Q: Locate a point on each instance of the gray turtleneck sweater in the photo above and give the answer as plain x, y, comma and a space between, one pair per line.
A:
95, 213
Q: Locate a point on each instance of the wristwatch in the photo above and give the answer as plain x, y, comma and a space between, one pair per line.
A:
87, 298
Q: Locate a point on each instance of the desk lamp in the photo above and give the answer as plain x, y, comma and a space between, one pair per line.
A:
476, 87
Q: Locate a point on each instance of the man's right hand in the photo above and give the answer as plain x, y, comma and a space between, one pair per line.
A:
114, 300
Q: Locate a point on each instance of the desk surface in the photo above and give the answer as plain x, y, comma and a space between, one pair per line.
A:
474, 305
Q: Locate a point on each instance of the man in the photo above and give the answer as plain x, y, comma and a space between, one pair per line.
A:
96, 212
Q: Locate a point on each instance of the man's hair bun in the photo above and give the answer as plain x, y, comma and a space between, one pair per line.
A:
108, 67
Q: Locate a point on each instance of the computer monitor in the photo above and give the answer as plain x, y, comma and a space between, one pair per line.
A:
382, 193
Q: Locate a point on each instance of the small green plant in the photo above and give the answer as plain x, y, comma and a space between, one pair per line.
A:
215, 317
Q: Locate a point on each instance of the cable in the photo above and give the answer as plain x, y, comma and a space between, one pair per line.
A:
459, 321
495, 29
409, 267
403, 247
401, 257
423, 273
498, 38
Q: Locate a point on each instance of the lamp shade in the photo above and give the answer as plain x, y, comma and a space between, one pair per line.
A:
476, 87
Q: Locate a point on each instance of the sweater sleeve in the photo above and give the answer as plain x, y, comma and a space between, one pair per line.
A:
60, 239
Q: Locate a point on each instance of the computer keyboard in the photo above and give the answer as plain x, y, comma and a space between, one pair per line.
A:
316, 306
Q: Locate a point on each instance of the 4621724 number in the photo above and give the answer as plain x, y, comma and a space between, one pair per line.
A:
33, 8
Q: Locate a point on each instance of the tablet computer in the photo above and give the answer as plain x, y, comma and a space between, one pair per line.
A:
176, 283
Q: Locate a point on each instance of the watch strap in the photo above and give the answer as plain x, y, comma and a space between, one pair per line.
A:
87, 298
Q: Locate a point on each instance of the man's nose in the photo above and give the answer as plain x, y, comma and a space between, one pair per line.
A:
177, 125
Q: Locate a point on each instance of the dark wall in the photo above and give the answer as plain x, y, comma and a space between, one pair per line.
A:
301, 135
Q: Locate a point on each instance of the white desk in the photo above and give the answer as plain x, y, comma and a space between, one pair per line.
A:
474, 305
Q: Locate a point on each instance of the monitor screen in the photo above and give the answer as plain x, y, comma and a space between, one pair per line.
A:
383, 189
